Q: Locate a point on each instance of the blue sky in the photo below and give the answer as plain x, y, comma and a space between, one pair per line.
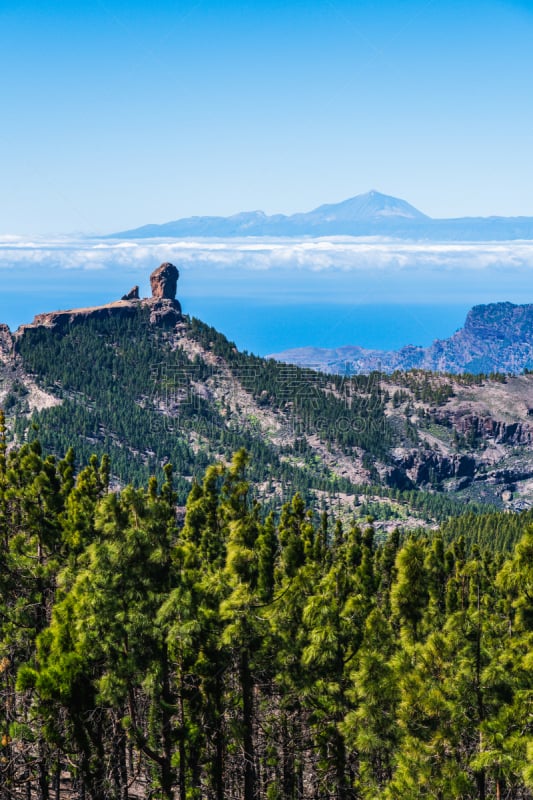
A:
116, 114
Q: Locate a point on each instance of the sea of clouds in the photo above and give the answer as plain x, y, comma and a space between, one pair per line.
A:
338, 253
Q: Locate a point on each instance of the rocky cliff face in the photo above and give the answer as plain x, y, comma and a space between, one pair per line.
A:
428, 468
495, 338
476, 427
6, 344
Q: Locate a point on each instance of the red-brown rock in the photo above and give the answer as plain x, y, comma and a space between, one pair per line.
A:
133, 294
164, 281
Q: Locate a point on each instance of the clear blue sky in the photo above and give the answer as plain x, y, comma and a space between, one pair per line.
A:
116, 114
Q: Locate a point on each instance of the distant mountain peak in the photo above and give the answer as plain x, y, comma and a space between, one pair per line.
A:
370, 214
372, 205
351, 216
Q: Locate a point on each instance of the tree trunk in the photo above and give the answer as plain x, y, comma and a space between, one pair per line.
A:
218, 766
120, 766
480, 776
43, 792
247, 723
340, 766
181, 749
287, 761
57, 777
167, 773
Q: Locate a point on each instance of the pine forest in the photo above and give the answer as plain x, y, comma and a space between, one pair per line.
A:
234, 651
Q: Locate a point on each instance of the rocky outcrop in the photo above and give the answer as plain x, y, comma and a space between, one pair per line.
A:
164, 309
476, 427
6, 344
164, 281
507, 477
60, 320
133, 294
428, 467
164, 313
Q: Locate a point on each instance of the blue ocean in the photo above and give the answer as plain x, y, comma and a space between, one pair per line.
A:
269, 327
263, 328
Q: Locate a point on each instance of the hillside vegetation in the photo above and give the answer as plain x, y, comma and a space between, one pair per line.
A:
148, 393
245, 654
145, 395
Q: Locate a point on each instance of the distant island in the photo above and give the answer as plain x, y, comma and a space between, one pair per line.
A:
369, 214
497, 337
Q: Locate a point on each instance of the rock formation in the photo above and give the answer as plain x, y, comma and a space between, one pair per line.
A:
165, 309
164, 281
423, 468
485, 427
61, 320
133, 294
6, 344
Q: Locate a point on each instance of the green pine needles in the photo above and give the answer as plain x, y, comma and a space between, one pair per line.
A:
229, 653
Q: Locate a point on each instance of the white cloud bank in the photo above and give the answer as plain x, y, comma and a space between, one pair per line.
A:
344, 254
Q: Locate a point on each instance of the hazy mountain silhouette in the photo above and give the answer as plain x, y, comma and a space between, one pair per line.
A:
370, 214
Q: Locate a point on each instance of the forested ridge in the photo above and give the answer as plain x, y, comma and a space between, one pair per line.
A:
188, 396
166, 411
235, 653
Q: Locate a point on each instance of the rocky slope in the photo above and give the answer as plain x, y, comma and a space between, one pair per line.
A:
495, 338
476, 442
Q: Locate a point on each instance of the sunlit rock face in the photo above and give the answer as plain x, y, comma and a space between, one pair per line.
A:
164, 281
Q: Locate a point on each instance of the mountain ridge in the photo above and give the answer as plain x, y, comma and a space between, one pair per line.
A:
368, 214
496, 337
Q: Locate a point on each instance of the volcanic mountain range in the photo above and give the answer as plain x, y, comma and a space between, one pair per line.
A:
369, 214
